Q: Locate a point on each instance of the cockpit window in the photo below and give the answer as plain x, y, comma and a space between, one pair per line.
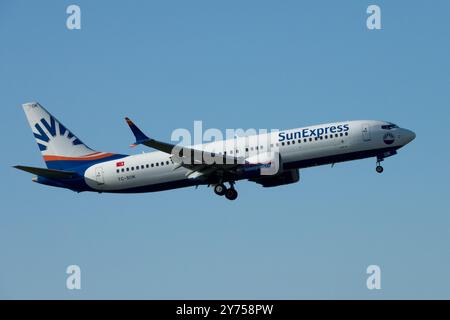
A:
389, 126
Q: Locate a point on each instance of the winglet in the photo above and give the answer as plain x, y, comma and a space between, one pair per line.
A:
138, 134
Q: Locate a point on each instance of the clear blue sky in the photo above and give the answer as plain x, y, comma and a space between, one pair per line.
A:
232, 64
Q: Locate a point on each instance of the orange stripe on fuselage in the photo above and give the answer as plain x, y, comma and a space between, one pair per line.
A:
84, 158
91, 154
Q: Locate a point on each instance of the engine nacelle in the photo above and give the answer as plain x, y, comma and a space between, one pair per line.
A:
284, 177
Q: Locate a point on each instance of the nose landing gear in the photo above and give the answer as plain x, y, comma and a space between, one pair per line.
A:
379, 168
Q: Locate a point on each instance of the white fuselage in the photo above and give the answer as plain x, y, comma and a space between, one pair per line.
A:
298, 148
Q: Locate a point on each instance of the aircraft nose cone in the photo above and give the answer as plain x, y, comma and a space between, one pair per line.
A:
410, 136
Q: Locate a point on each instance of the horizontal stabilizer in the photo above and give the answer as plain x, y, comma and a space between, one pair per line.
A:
48, 173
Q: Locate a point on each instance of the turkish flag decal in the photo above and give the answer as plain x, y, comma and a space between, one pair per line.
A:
120, 164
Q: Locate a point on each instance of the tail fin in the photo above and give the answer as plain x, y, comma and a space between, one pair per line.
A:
60, 148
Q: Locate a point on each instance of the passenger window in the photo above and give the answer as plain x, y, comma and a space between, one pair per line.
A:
162, 163
299, 140
117, 170
282, 143
123, 169
246, 149
128, 169
288, 143
132, 168
152, 165
341, 134
157, 164
346, 133
167, 162
146, 165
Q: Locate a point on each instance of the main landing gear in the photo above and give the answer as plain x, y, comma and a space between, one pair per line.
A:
379, 168
220, 189
229, 193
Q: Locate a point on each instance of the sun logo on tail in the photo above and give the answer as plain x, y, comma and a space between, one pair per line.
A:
54, 132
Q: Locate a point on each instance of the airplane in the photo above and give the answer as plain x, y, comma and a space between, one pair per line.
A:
269, 159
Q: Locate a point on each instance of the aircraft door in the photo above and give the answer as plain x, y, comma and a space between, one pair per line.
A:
99, 175
366, 132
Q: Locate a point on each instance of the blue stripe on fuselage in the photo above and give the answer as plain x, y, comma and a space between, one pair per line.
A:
79, 166
73, 165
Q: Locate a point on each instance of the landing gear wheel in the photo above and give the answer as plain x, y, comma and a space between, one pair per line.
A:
231, 194
220, 189
379, 169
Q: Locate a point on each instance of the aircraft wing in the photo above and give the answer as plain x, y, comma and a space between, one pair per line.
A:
182, 153
191, 158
